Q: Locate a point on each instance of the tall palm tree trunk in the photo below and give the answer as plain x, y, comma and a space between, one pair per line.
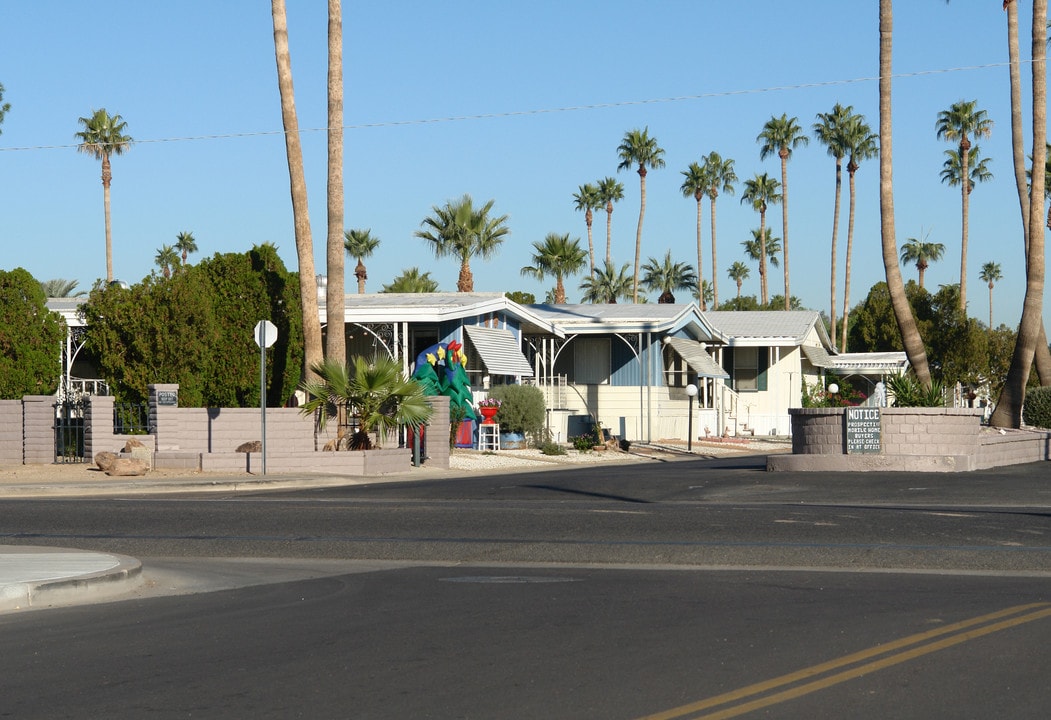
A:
990, 306
638, 233
298, 187
609, 232
849, 259
965, 203
107, 178
762, 257
715, 265
784, 225
465, 282
835, 244
335, 339
700, 255
910, 334
1008, 412
589, 218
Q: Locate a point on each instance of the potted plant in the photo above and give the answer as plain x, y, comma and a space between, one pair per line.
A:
488, 409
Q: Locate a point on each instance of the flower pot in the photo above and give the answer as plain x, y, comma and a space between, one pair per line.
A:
488, 413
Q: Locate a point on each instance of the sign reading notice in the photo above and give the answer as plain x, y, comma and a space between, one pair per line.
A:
863, 430
167, 397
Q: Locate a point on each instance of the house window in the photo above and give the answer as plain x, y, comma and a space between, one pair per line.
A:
676, 374
591, 361
747, 366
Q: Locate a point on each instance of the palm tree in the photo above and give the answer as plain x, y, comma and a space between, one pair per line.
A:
360, 244
166, 259
335, 268
781, 136
667, 276
1008, 410
861, 145
910, 334
830, 130
609, 192
706, 291
759, 192
587, 199
4, 107
695, 184
103, 136
722, 176
638, 148
460, 230
762, 245
411, 281
738, 272
962, 121
921, 253
990, 274
312, 350
185, 244
952, 168
558, 256
60, 288
607, 285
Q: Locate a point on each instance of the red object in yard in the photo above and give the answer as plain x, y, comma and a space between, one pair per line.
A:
488, 413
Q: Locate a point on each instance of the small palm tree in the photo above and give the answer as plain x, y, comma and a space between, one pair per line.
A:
862, 144
375, 393
59, 288
639, 149
360, 244
952, 168
412, 281
738, 272
921, 253
830, 130
695, 184
185, 244
780, 136
722, 177
558, 256
666, 276
707, 292
762, 242
4, 107
463, 231
167, 259
959, 124
607, 285
610, 190
990, 274
103, 136
587, 199
759, 192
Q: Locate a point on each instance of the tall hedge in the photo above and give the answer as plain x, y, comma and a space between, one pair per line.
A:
196, 329
30, 338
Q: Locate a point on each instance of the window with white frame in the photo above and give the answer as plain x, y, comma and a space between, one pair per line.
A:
591, 361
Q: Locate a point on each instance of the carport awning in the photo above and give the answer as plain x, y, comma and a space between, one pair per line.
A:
697, 358
817, 356
499, 351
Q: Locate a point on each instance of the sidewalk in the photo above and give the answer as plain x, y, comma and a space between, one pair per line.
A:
33, 577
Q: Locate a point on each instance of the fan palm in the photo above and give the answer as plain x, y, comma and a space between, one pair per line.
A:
952, 168
166, 259
830, 130
762, 245
722, 176
463, 231
759, 192
60, 288
639, 149
559, 256
921, 253
607, 285
780, 136
961, 122
695, 184
588, 200
360, 244
411, 281
990, 274
738, 272
335, 264
185, 244
666, 276
609, 192
861, 145
103, 136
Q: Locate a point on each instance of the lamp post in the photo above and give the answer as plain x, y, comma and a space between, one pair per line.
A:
691, 393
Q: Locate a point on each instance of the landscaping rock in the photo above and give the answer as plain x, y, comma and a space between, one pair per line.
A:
127, 467
105, 460
250, 447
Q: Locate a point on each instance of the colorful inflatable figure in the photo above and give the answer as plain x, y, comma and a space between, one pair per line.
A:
441, 370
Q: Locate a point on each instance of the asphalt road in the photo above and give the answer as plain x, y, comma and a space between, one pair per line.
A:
690, 590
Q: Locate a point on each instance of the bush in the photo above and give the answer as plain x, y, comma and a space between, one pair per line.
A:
583, 443
552, 448
522, 409
908, 391
1036, 410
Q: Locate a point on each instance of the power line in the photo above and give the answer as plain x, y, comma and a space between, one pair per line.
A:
543, 111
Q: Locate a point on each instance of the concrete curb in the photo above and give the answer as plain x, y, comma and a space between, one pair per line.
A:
65, 580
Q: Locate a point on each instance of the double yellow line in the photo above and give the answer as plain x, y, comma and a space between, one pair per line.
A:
816, 677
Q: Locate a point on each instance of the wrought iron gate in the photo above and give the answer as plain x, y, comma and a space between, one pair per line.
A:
69, 430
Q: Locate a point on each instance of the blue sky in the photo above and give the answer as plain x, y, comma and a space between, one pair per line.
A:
558, 83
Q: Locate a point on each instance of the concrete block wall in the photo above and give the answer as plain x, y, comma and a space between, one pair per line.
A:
38, 429
1012, 447
10, 432
931, 431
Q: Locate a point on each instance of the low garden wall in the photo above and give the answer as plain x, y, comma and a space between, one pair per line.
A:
904, 439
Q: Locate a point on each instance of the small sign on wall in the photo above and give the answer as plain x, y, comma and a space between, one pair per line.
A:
863, 430
167, 397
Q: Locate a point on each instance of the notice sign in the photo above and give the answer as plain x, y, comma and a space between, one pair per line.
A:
167, 397
863, 430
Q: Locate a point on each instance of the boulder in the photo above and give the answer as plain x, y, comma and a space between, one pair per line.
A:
105, 460
127, 467
130, 445
250, 447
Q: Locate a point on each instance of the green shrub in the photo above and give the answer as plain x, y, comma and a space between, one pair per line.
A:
522, 409
583, 443
1036, 410
908, 391
552, 448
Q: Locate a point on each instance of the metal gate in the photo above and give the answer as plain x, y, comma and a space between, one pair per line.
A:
69, 430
